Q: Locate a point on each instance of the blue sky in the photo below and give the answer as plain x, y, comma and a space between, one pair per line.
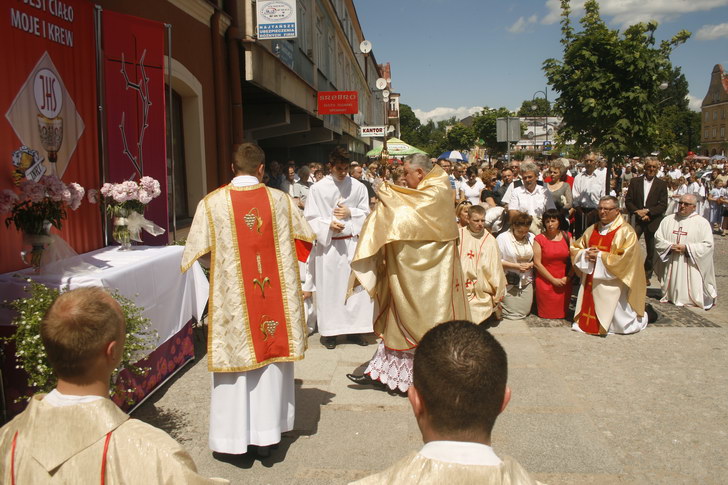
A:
452, 57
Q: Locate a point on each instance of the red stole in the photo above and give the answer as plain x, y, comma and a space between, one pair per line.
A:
587, 317
261, 272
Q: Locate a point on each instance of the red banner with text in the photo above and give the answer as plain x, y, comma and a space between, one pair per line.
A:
48, 121
338, 102
135, 113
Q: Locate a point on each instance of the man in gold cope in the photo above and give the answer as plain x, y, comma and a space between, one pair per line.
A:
407, 260
613, 288
256, 323
75, 433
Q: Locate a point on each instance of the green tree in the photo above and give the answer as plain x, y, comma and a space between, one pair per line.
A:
608, 82
543, 108
460, 137
678, 127
409, 124
484, 127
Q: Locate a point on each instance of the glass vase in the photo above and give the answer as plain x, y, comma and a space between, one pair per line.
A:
121, 233
38, 242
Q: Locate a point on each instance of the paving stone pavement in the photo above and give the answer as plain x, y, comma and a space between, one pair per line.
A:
640, 409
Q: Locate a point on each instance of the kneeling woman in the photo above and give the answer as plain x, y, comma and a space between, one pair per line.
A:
516, 247
553, 266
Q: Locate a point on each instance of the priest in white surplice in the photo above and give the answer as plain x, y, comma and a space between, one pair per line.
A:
256, 323
684, 247
609, 262
336, 208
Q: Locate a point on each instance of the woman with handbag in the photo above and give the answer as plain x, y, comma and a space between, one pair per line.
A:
553, 266
516, 247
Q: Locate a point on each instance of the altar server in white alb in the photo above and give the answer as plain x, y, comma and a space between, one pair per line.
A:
336, 208
684, 247
256, 323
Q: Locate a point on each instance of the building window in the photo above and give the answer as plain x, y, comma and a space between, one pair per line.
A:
715, 115
722, 132
715, 133
706, 134
707, 115
304, 31
175, 147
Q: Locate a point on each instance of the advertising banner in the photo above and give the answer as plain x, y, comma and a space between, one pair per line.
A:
276, 19
48, 121
366, 131
338, 102
135, 107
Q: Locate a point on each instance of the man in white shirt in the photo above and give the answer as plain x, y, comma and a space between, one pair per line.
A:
675, 173
601, 170
530, 197
459, 389
588, 189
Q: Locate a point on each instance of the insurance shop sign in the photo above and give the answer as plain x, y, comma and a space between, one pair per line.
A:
276, 19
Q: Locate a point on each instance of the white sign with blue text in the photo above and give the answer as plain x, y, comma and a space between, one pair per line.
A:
277, 19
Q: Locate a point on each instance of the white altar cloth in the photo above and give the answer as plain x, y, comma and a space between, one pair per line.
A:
148, 275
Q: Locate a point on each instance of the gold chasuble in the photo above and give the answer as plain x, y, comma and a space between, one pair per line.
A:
256, 236
90, 443
622, 257
407, 260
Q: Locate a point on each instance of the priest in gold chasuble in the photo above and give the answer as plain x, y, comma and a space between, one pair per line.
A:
256, 322
613, 287
407, 259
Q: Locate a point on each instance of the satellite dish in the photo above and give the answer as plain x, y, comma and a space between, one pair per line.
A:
381, 83
365, 47
385, 93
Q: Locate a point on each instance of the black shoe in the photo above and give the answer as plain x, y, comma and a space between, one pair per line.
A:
357, 339
362, 380
652, 315
396, 392
329, 342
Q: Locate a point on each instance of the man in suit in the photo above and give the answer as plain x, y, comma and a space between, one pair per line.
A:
647, 201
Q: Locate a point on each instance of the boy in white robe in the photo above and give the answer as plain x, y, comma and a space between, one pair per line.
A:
336, 208
684, 247
76, 434
459, 389
485, 281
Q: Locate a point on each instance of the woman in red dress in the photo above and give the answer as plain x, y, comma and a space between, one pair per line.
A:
552, 263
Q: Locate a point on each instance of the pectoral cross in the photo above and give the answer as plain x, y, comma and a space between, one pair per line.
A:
471, 254
679, 233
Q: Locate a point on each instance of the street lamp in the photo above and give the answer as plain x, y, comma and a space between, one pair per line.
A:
534, 107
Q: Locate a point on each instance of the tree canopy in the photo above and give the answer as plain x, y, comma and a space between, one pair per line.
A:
542, 108
608, 83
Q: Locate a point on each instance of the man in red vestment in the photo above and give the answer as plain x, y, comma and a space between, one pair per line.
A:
256, 323
609, 261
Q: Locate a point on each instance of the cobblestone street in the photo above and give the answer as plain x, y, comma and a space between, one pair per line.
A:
648, 408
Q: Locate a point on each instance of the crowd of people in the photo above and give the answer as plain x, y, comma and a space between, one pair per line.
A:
427, 254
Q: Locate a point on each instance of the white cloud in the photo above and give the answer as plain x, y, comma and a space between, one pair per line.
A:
443, 113
710, 32
628, 12
522, 23
694, 103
